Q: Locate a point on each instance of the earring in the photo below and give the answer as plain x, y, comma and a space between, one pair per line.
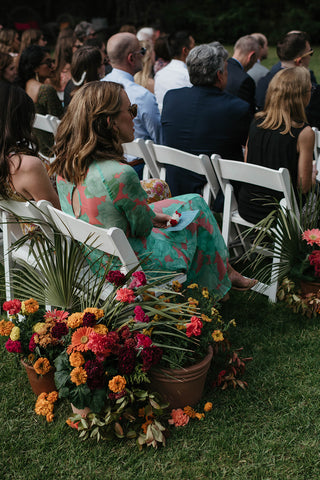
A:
37, 77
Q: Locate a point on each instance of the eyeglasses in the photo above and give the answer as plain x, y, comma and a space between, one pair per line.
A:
49, 62
305, 55
133, 110
142, 51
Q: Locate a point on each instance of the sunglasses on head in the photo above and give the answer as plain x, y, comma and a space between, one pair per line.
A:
142, 51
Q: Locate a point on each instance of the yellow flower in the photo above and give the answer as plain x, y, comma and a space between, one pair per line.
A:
215, 313
5, 327
193, 301
78, 376
193, 285
207, 407
117, 384
15, 334
217, 336
76, 359
29, 306
181, 326
75, 320
147, 332
156, 317
177, 286
200, 416
31, 358
189, 411
96, 311
233, 322
205, 292
205, 318
40, 328
102, 329
42, 366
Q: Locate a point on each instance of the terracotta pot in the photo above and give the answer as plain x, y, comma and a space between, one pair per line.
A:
40, 383
182, 387
81, 411
309, 287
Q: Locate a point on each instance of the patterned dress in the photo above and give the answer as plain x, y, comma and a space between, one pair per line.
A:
111, 196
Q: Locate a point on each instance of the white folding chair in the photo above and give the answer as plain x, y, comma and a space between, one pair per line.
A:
199, 164
112, 241
138, 148
279, 180
47, 123
316, 150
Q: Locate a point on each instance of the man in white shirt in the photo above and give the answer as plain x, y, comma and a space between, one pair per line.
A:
175, 74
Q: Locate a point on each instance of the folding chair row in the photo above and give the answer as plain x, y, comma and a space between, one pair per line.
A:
47, 123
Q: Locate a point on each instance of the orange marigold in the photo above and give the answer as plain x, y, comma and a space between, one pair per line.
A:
5, 327
117, 384
78, 376
29, 306
42, 366
177, 286
80, 339
144, 426
189, 411
75, 320
53, 396
76, 359
217, 336
96, 311
200, 416
102, 329
205, 318
207, 407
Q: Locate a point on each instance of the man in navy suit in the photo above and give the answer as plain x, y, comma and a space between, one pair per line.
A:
246, 53
204, 118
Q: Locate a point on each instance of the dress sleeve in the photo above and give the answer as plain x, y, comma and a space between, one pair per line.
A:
129, 199
49, 98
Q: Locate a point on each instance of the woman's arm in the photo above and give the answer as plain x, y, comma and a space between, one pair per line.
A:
305, 146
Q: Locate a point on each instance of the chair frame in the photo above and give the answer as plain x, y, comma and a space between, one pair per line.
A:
138, 148
316, 151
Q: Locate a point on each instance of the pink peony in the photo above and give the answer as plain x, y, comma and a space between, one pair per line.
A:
13, 346
116, 277
140, 316
139, 279
194, 328
312, 236
12, 306
178, 418
143, 340
125, 295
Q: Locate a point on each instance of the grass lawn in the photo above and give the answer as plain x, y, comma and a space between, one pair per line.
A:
270, 431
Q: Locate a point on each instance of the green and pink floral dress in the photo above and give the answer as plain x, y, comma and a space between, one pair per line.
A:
111, 196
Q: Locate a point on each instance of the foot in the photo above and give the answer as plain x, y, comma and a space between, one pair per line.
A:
239, 282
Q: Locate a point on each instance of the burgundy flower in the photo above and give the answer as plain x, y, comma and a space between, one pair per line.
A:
32, 343
143, 340
89, 319
150, 356
126, 360
112, 342
124, 332
130, 343
95, 373
138, 280
140, 316
13, 346
116, 277
59, 330
116, 396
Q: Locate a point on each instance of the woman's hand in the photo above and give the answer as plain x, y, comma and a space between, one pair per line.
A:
160, 220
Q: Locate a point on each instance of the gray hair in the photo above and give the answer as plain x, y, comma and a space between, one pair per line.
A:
205, 61
247, 44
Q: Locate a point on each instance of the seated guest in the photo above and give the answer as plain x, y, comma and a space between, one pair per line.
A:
22, 173
35, 66
280, 137
145, 76
9, 41
258, 71
32, 36
204, 118
8, 69
96, 185
161, 49
175, 74
246, 52
87, 66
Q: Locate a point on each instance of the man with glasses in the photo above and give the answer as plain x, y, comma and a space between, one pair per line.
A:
125, 56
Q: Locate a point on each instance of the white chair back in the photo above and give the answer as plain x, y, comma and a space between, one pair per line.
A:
199, 164
316, 150
138, 148
47, 123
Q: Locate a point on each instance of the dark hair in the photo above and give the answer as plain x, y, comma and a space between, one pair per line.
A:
94, 42
5, 60
161, 48
292, 45
16, 120
86, 59
177, 41
30, 58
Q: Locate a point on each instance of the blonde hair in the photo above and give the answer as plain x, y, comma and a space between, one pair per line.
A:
142, 77
86, 131
30, 37
286, 99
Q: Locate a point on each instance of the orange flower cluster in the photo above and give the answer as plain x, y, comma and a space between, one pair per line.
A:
78, 376
96, 311
5, 327
76, 359
29, 306
79, 340
42, 366
180, 418
45, 404
75, 320
117, 384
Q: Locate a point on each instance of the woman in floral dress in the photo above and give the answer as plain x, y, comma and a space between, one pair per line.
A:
96, 185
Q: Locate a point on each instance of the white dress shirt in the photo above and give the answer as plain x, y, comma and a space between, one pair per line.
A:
174, 75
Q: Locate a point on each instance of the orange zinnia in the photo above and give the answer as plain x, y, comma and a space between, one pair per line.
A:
78, 376
5, 327
42, 366
80, 339
75, 320
76, 359
117, 384
30, 306
98, 312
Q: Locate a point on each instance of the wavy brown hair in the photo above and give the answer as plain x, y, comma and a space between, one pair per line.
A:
86, 131
286, 99
16, 120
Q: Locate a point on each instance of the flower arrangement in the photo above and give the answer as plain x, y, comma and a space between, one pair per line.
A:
38, 337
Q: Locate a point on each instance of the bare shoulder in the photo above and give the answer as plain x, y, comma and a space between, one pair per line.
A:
307, 133
30, 163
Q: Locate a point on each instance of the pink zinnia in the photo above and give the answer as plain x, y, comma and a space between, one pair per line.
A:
12, 306
59, 315
178, 418
312, 236
125, 295
143, 340
139, 279
13, 346
140, 316
194, 328
98, 343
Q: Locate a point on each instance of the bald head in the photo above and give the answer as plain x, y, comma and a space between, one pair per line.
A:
119, 46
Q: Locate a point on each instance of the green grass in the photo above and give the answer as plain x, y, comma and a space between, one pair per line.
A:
270, 431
